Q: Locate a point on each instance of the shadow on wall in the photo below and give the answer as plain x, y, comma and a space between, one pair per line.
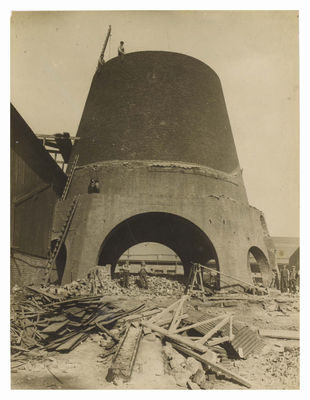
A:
60, 261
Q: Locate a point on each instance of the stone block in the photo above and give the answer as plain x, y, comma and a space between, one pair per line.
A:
193, 385
193, 365
205, 385
147, 330
210, 356
182, 378
175, 365
151, 337
211, 377
199, 377
231, 303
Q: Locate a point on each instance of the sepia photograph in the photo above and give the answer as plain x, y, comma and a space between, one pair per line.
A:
154, 200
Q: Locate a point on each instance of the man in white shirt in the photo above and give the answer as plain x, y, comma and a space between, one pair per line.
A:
121, 51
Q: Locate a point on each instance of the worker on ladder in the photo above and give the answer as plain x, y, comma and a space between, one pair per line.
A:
121, 51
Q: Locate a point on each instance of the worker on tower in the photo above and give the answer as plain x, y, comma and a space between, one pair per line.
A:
121, 51
143, 275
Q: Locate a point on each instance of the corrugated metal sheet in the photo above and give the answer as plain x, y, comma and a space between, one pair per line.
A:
196, 316
246, 340
222, 354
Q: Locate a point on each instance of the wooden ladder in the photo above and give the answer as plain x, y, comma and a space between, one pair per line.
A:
60, 240
69, 179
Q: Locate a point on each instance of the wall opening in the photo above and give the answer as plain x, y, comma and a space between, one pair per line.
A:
183, 237
258, 266
60, 261
159, 259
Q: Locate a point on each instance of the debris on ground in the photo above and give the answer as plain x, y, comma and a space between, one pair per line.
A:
203, 345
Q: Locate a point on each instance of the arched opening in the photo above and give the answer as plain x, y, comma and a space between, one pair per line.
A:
188, 241
60, 261
259, 266
159, 259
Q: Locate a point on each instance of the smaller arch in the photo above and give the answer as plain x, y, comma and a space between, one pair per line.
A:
260, 269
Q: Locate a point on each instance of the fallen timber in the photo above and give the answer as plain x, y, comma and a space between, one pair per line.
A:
125, 356
60, 325
280, 334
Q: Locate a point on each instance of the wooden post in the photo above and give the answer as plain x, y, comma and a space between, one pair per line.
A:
230, 329
176, 318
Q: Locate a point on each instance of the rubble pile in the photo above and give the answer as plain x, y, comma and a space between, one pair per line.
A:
160, 285
100, 281
286, 366
188, 372
48, 322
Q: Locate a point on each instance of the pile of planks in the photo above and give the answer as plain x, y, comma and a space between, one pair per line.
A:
47, 322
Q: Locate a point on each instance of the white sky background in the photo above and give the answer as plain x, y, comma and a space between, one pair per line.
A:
255, 54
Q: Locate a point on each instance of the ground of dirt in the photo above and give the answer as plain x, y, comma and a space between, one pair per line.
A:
83, 368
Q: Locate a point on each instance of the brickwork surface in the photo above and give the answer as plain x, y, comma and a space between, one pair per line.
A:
27, 269
157, 106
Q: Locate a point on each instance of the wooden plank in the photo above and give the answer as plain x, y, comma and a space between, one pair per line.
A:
176, 318
200, 323
215, 367
228, 276
108, 332
71, 342
168, 320
57, 326
177, 338
141, 315
43, 292
201, 284
213, 331
30, 194
280, 334
214, 342
164, 312
230, 328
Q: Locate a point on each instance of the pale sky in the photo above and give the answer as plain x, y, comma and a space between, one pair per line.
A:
255, 54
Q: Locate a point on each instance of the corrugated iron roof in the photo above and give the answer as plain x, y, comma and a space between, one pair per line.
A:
246, 340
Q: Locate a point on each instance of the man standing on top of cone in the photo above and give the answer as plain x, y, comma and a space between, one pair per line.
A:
121, 51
